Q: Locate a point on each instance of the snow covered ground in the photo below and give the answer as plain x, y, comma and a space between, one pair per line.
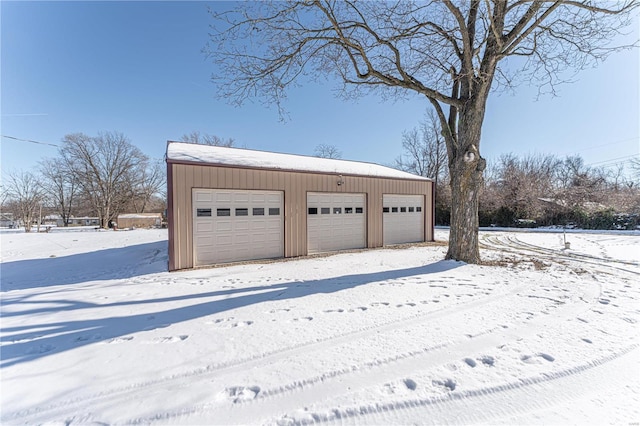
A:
94, 331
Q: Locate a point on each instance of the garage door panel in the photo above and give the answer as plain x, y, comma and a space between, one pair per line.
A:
403, 219
242, 225
242, 239
205, 242
240, 198
332, 224
234, 225
203, 196
223, 197
223, 227
273, 199
204, 227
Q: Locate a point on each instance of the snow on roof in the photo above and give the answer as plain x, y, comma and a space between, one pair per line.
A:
139, 215
188, 152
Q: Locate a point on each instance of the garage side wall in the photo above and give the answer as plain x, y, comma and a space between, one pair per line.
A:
182, 178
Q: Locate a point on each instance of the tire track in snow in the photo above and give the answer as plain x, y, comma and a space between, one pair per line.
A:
304, 392
44, 413
509, 243
525, 395
123, 393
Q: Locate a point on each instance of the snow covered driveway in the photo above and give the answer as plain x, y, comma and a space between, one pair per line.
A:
95, 332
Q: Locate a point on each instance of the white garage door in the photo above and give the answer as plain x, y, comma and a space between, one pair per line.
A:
402, 219
233, 225
335, 221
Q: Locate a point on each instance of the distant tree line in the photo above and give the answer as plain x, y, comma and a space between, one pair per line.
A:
91, 176
535, 190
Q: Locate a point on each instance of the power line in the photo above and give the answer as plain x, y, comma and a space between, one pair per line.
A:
28, 140
582, 149
613, 160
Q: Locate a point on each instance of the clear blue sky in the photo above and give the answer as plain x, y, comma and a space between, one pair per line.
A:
137, 68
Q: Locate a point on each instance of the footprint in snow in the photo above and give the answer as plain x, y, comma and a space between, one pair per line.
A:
333, 310
470, 362
274, 311
120, 339
219, 321
487, 360
359, 308
167, 339
86, 338
240, 393
40, 349
303, 319
410, 384
533, 359
448, 384
153, 327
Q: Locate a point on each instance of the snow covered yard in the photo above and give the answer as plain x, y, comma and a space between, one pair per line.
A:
94, 331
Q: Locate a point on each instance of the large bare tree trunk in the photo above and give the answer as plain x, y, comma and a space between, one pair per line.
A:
466, 168
463, 234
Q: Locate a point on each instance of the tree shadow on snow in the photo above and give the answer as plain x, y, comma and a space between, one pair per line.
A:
36, 341
109, 264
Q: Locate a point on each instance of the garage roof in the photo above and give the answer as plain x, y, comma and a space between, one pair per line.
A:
216, 155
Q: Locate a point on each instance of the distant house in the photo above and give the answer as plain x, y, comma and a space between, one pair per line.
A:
6, 220
83, 221
140, 220
52, 220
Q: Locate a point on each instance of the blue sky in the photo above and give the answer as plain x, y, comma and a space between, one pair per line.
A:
137, 68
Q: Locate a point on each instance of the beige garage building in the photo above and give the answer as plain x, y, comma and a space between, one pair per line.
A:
229, 205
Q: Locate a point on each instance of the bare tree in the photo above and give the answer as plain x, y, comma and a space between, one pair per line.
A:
25, 192
60, 186
452, 53
144, 185
104, 167
425, 152
521, 183
581, 184
327, 151
635, 171
207, 139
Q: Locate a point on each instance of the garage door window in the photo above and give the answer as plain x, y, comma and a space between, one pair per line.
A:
402, 220
333, 222
234, 225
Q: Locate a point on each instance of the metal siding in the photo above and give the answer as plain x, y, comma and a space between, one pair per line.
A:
289, 219
295, 186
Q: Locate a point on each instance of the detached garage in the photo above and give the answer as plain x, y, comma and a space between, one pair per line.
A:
229, 205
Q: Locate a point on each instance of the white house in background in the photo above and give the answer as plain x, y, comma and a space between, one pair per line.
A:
6, 220
81, 221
